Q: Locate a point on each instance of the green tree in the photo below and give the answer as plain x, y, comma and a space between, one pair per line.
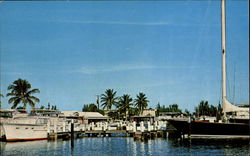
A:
158, 109
203, 108
1, 96
21, 92
174, 108
133, 111
98, 102
187, 112
42, 107
85, 108
113, 114
208, 110
212, 111
245, 105
48, 106
53, 107
141, 102
170, 108
109, 99
158, 106
219, 112
90, 108
125, 103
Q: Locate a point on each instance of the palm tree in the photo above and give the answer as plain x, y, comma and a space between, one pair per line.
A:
21, 92
141, 102
109, 99
124, 103
203, 108
219, 113
90, 108
1, 96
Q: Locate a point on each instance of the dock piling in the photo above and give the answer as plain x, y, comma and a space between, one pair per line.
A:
72, 134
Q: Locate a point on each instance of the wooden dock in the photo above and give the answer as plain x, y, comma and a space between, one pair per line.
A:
138, 135
139, 131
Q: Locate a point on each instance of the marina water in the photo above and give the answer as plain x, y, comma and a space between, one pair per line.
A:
117, 146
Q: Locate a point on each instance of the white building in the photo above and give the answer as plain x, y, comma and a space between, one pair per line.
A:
84, 117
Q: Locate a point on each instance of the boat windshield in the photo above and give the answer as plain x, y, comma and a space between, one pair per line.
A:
6, 114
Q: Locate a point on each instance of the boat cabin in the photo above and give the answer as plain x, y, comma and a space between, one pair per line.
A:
45, 112
84, 117
6, 113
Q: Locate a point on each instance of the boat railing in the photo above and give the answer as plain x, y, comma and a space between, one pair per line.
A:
105, 126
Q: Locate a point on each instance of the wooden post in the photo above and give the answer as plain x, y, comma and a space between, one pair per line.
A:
72, 135
142, 126
64, 126
55, 130
55, 127
189, 127
48, 127
134, 126
149, 126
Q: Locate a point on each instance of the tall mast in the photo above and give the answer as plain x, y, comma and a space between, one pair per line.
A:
223, 46
226, 105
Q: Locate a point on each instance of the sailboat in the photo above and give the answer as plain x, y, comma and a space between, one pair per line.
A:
236, 118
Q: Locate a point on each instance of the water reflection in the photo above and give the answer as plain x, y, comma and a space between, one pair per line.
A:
20, 147
149, 146
213, 146
134, 147
107, 146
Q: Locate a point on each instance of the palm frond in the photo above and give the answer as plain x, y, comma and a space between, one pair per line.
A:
31, 103
11, 94
15, 103
33, 91
34, 98
11, 100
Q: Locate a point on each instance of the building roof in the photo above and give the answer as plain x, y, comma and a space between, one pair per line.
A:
171, 113
83, 114
143, 116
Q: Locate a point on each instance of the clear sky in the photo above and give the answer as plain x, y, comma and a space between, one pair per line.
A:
170, 50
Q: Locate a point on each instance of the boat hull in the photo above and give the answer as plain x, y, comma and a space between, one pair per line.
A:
24, 132
209, 128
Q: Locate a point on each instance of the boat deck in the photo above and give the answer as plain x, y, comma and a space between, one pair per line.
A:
199, 136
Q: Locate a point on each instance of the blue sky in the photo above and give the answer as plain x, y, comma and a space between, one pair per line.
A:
170, 50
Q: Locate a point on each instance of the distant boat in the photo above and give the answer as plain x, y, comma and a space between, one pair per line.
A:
237, 118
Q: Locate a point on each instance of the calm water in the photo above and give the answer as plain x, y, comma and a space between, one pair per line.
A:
127, 146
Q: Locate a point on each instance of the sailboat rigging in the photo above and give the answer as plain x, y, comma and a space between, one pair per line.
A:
236, 119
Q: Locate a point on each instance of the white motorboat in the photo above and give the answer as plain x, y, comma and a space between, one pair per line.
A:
22, 127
